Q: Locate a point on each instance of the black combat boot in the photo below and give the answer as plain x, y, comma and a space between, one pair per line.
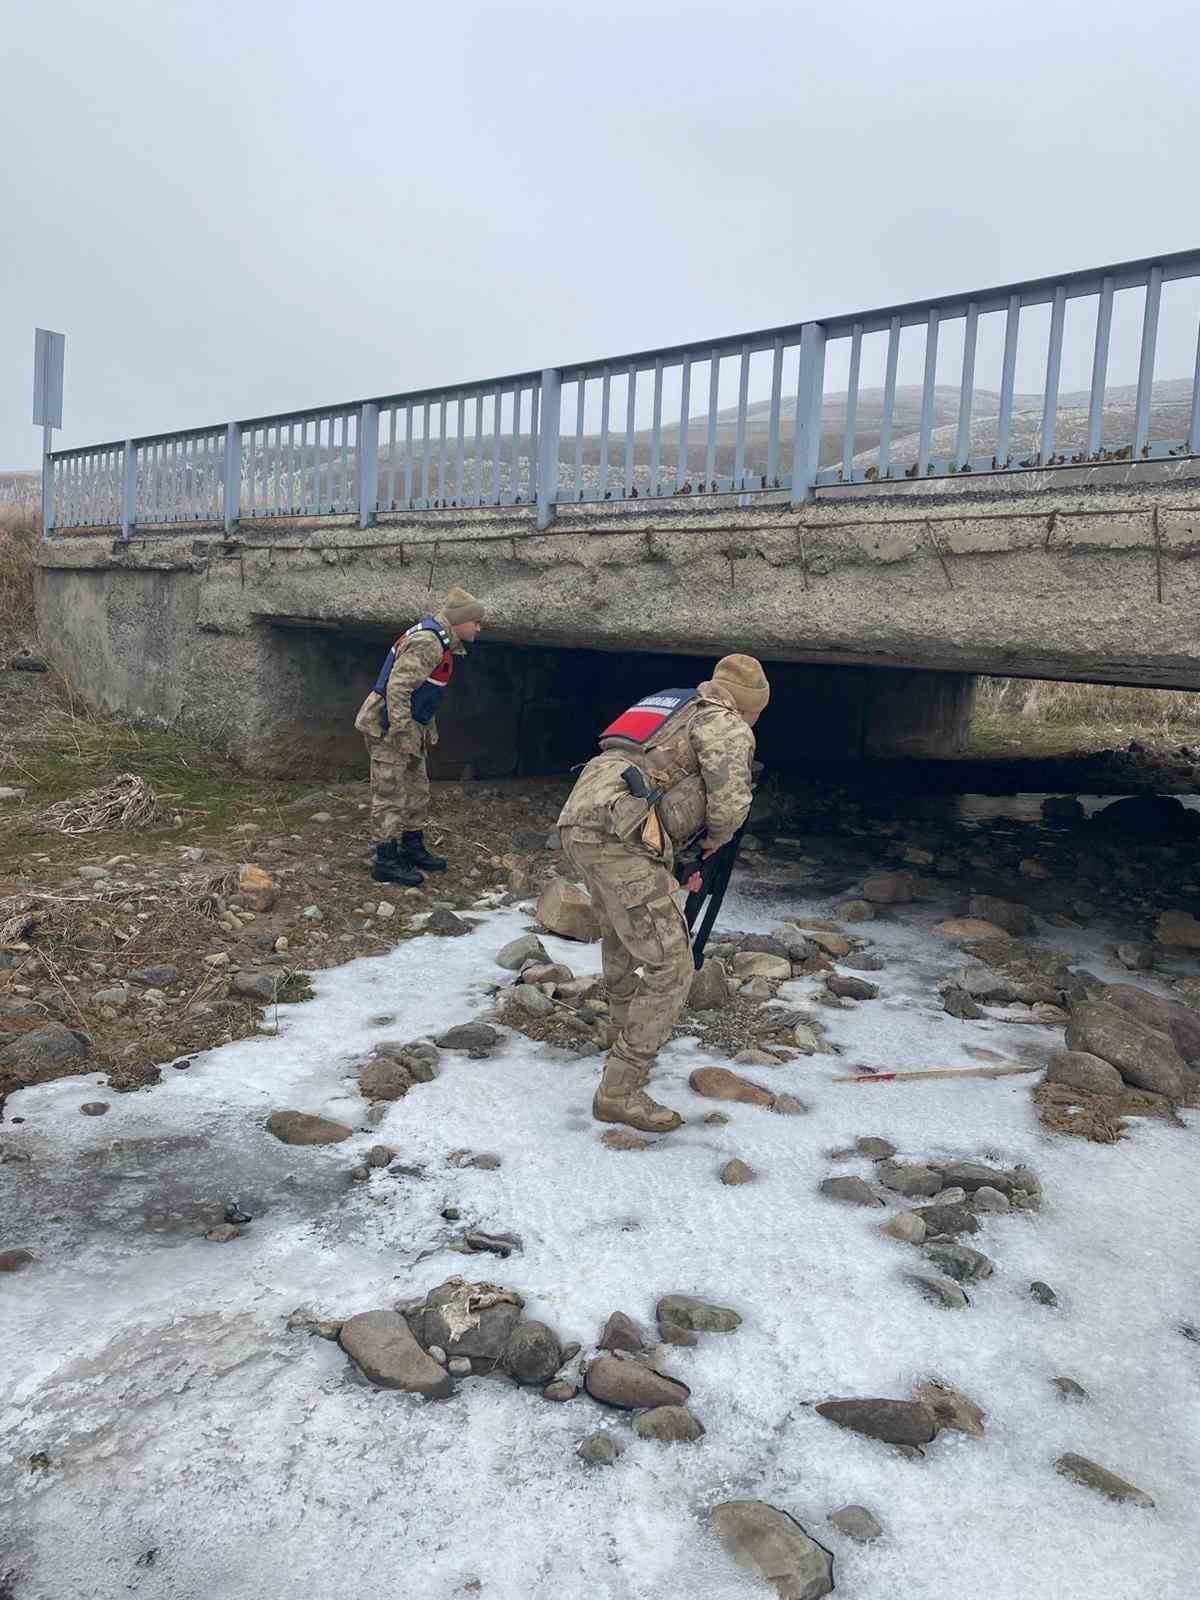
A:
412, 849
389, 867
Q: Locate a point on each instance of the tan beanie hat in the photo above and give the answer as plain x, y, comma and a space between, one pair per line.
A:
459, 606
743, 678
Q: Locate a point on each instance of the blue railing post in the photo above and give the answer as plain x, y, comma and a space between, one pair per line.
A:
368, 463
231, 497
810, 391
547, 446
129, 491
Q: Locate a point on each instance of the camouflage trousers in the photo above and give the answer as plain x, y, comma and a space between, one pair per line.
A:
399, 790
642, 926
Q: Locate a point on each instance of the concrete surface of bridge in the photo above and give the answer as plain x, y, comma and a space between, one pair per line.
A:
875, 610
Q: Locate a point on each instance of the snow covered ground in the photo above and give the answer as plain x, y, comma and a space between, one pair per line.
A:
179, 1416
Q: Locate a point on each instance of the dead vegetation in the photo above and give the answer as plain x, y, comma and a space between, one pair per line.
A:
18, 534
1110, 711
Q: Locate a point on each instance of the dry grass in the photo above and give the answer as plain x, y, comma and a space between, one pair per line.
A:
18, 535
127, 802
1169, 714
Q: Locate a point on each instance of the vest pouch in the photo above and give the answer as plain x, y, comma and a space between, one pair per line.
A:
627, 815
372, 718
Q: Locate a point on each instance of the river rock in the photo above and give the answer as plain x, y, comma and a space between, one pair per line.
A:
384, 1350
1077, 1069
769, 1543
559, 1390
1180, 1022
1062, 808
553, 973
1043, 1293
951, 1408
621, 1333
710, 988
948, 1219
469, 1319
905, 1226
566, 909
527, 1001
857, 1523
987, 1201
476, 1039
964, 930
909, 1422
533, 1353
94, 1108
1180, 928
517, 952
14, 1260
958, 1261
787, 1105
159, 976
384, 1079
718, 1083
441, 923
1144, 1057
849, 988
910, 1181
1007, 914
302, 1127
257, 888
851, 1191
875, 1149
892, 889
668, 1425
1094, 1476
700, 1316
934, 1286
1068, 1389
43, 1053
602, 1448
833, 944
758, 964
631, 1385
972, 1175
625, 1139
735, 1172
856, 911
1135, 956
956, 1002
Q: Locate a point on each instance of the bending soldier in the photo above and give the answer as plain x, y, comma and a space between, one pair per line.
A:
693, 746
397, 719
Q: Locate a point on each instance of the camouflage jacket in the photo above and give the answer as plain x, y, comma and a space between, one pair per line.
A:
701, 757
416, 658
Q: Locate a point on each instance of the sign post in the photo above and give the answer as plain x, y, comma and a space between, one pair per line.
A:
49, 352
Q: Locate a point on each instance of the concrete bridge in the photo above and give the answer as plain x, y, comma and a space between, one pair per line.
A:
240, 581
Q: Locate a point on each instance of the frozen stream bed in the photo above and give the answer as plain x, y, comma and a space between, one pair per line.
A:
153, 1371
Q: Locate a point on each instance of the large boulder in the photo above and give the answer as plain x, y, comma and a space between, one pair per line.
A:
1150, 815
1178, 928
892, 889
772, 1545
1144, 1057
909, 1422
632, 1386
1076, 1069
700, 1316
469, 1319
302, 1127
384, 1350
1180, 1022
718, 1083
564, 908
384, 1078
710, 987
533, 1353
1006, 914
52, 1051
517, 952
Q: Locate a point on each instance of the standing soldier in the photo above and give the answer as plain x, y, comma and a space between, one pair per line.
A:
397, 721
693, 749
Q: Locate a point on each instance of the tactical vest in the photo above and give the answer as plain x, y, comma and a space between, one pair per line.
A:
426, 697
653, 733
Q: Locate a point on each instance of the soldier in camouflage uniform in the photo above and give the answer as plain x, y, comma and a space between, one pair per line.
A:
699, 753
423, 663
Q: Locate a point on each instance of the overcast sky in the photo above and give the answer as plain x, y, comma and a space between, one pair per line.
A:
232, 209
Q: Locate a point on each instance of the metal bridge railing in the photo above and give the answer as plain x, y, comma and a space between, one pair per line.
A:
746, 415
